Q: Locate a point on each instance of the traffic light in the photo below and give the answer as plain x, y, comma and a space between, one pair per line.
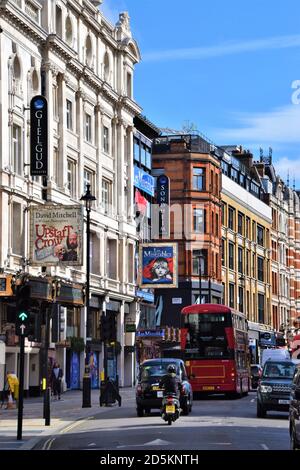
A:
108, 328
22, 309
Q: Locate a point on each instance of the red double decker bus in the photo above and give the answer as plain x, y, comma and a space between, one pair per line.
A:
214, 342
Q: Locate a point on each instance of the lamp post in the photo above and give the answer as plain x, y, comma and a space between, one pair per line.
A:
88, 198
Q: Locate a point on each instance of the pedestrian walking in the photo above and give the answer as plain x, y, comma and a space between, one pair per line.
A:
56, 378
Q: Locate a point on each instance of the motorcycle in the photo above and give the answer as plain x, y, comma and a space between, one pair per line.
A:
170, 409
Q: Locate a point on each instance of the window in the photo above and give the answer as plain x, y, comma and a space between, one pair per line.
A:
224, 207
240, 260
260, 268
217, 225
260, 235
248, 264
231, 255
69, 31
248, 234
111, 260
88, 127
261, 308
234, 175
231, 295
241, 299
106, 67
240, 224
136, 150
223, 252
55, 102
130, 263
69, 110
88, 178
199, 218
254, 189
71, 177
106, 196
253, 265
55, 164
73, 322
88, 51
95, 253
105, 141
198, 179
58, 21
17, 150
231, 218
224, 166
200, 255
17, 232
129, 85
148, 157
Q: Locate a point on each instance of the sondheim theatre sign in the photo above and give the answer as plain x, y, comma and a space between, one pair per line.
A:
38, 136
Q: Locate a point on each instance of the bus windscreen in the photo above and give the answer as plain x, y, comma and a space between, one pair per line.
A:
205, 336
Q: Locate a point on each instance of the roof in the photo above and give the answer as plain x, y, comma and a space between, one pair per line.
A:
206, 308
168, 360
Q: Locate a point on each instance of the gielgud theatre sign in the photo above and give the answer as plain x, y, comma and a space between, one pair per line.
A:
56, 235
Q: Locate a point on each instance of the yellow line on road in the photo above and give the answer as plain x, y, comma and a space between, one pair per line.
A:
73, 425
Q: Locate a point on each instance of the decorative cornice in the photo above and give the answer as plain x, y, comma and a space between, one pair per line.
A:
22, 22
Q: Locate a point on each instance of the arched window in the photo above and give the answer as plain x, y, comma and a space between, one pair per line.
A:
88, 50
69, 31
106, 67
58, 16
17, 68
35, 82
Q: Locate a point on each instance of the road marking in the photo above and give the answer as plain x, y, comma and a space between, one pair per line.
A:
253, 400
73, 425
156, 442
265, 447
48, 443
92, 444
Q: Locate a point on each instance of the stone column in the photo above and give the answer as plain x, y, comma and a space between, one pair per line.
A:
130, 175
62, 147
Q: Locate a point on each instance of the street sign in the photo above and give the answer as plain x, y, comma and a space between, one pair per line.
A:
163, 201
130, 328
39, 136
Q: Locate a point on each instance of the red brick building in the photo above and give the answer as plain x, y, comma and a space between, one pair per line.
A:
195, 221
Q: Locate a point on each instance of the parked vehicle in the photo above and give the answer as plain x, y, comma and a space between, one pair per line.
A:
256, 371
295, 410
273, 392
170, 409
149, 395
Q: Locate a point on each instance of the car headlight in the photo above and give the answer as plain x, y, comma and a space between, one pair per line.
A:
266, 389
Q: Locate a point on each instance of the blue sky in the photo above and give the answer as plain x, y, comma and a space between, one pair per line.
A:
226, 66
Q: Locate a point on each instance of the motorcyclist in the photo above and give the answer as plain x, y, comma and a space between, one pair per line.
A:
170, 382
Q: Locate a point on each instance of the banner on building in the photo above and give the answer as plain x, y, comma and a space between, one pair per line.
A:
38, 136
158, 265
143, 181
56, 235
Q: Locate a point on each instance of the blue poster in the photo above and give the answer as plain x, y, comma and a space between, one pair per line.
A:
75, 371
158, 265
94, 370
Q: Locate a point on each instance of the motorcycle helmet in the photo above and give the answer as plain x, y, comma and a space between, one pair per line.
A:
171, 369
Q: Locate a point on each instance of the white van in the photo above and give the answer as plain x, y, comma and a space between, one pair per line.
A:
274, 355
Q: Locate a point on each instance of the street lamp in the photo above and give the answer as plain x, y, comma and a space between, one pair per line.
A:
88, 198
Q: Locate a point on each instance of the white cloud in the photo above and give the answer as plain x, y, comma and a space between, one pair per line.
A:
286, 166
279, 126
226, 48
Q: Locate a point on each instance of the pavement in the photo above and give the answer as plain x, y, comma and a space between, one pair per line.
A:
64, 413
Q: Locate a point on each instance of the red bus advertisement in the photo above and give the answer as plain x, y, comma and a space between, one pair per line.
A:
214, 342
